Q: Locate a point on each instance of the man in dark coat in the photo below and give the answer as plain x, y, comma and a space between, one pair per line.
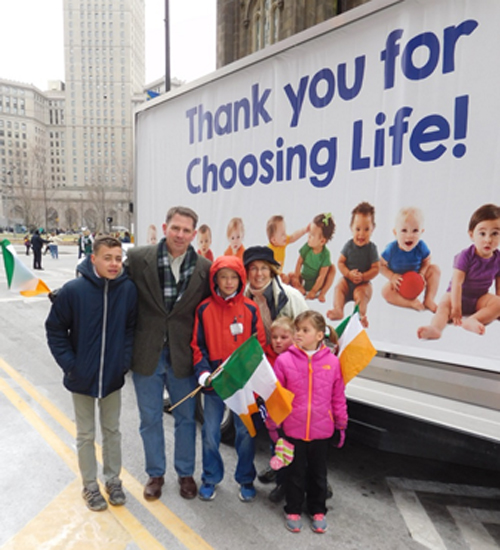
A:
37, 242
171, 280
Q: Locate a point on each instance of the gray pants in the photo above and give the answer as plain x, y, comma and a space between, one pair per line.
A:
109, 419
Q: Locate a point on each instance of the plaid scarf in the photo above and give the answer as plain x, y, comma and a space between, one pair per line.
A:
172, 290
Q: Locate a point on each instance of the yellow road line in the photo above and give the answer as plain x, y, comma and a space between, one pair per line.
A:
66, 524
67, 454
128, 521
189, 538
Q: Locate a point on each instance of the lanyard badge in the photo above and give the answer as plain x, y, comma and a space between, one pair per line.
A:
236, 328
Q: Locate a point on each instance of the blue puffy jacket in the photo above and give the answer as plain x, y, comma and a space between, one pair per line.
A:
90, 331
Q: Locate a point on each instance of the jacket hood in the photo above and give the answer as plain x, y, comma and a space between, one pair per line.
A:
86, 269
231, 262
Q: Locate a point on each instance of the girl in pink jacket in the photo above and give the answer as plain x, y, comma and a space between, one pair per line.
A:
312, 372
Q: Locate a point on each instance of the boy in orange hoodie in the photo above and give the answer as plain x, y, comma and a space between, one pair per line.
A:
223, 322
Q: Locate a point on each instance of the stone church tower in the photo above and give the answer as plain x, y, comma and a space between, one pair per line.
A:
245, 26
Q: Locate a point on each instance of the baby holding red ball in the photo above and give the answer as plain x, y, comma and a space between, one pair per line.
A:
406, 262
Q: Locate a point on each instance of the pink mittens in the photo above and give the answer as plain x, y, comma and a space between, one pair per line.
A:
283, 454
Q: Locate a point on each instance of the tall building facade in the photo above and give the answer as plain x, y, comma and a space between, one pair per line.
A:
66, 153
246, 26
104, 50
30, 121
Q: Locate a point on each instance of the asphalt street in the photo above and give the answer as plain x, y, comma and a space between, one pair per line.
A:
381, 501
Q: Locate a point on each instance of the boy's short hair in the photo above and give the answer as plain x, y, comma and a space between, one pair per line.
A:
484, 213
364, 209
326, 224
205, 229
182, 211
272, 225
284, 322
105, 240
235, 223
410, 211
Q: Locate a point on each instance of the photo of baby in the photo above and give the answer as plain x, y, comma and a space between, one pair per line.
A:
314, 272
409, 253
151, 235
279, 240
204, 239
359, 263
468, 302
235, 234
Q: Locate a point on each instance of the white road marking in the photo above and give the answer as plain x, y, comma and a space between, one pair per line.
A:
469, 521
40, 298
416, 518
434, 487
471, 526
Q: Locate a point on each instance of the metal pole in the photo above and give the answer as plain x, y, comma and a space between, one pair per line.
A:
81, 210
167, 47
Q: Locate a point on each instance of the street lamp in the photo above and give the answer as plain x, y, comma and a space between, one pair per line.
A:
7, 193
81, 210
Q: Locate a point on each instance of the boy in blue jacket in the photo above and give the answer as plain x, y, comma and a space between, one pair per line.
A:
90, 331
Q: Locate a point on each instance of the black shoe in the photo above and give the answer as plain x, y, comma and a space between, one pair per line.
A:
267, 476
277, 494
329, 491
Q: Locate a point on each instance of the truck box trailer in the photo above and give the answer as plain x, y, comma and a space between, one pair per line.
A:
395, 104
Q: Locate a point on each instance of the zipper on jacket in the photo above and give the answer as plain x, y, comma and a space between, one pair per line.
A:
103, 340
309, 397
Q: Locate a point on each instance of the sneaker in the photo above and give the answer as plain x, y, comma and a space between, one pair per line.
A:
116, 495
94, 500
207, 491
267, 476
278, 493
293, 522
318, 524
247, 492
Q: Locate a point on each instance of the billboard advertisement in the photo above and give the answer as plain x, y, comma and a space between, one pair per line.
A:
393, 116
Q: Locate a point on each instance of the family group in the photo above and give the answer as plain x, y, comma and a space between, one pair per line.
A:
172, 317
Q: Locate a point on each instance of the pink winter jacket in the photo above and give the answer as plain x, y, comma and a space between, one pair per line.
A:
319, 405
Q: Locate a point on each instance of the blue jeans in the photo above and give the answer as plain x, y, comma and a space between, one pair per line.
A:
54, 251
149, 393
213, 467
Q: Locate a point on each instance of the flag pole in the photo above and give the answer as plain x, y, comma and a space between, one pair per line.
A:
185, 398
195, 391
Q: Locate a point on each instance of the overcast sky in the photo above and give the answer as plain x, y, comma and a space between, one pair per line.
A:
32, 47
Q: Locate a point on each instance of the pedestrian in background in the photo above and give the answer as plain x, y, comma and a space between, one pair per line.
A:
27, 244
37, 242
90, 331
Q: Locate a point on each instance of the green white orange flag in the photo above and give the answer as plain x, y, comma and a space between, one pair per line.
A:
245, 373
355, 348
20, 278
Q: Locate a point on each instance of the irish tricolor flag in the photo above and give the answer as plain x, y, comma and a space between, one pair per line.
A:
19, 277
245, 373
355, 348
